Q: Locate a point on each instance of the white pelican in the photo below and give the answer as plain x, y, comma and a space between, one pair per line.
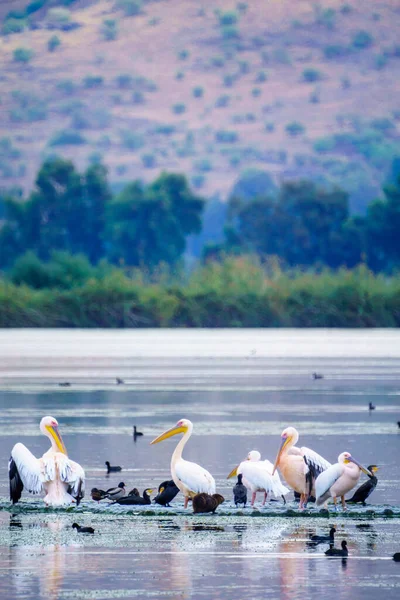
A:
257, 477
62, 479
339, 479
299, 466
189, 477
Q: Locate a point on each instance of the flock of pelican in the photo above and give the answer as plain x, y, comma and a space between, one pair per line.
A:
304, 471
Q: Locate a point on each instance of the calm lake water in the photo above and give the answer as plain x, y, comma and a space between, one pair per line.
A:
240, 389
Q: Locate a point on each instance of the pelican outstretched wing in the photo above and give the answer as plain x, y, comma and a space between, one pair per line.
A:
315, 464
194, 477
325, 481
24, 470
72, 474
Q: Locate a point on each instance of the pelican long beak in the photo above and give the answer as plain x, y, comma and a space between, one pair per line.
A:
284, 441
55, 434
359, 465
169, 433
233, 473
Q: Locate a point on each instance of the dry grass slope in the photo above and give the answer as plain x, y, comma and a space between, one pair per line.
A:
209, 91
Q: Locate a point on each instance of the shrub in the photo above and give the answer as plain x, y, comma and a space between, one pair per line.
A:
223, 101
132, 141
109, 29
230, 32
382, 124
346, 82
53, 43
131, 8
346, 9
124, 81
362, 39
198, 181
261, 77
380, 61
165, 129
242, 6
217, 61
121, 169
58, 16
311, 75
325, 16
281, 55
334, 51
67, 137
66, 86
228, 18
138, 98
314, 97
23, 55
256, 92
148, 161
325, 144
72, 106
34, 6
180, 75
229, 79
226, 137
204, 165
92, 81
269, 127
198, 92
13, 26
183, 54
179, 108
294, 128
29, 114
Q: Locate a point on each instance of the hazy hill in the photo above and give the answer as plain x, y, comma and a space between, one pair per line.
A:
292, 87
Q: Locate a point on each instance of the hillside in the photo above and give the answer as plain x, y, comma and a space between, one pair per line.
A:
296, 88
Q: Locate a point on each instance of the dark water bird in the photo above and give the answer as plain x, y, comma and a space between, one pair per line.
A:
204, 503
98, 495
338, 552
396, 557
117, 492
136, 500
111, 469
82, 529
371, 406
167, 490
366, 489
134, 492
119, 381
136, 433
318, 539
317, 376
240, 492
398, 424
64, 384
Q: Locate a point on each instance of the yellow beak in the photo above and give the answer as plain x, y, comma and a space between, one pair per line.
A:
55, 434
169, 433
233, 473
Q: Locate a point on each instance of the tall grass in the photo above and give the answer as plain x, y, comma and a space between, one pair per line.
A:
236, 292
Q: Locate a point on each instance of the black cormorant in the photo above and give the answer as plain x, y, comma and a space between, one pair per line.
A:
167, 491
111, 469
82, 529
136, 433
317, 539
371, 406
136, 500
366, 489
240, 492
337, 552
317, 376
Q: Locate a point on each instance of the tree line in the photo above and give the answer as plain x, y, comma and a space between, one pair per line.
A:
147, 225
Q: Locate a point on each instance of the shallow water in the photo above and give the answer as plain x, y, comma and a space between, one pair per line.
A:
237, 404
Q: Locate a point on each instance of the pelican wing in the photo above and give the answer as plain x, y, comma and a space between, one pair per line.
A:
259, 474
71, 473
325, 481
194, 477
314, 465
24, 470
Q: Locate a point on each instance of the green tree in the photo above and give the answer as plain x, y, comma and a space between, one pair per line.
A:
382, 230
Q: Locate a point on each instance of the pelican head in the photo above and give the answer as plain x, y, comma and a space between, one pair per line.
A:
49, 428
289, 437
182, 426
345, 458
254, 456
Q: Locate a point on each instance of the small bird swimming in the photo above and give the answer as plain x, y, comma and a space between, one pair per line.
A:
366, 489
337, 552
119, 381
117, 492
167, 490
111, 469
318, 539
240, 492
371, 406
396, 557
317, 376
97, 495
136, 500
204, 503
82, 529
64, 384
136, 433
